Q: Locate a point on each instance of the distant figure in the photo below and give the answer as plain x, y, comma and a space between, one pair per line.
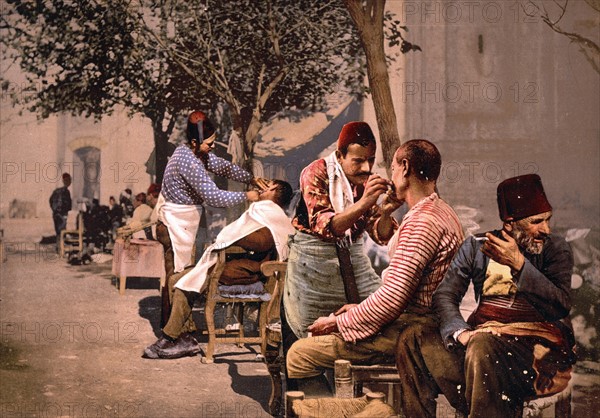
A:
152, 196
141, 211
116, 215
126, 203
60, 203
97, 225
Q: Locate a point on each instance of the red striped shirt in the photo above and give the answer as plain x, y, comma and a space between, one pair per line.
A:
428, 238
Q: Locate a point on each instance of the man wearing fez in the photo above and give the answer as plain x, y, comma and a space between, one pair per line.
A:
420, 253
187, 187
518, 342
338, 204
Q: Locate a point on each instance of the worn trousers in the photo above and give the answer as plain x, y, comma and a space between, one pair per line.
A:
489, 378
181, 320
162, 236
309, 357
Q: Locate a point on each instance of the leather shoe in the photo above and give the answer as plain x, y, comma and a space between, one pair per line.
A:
185, 345
152, 350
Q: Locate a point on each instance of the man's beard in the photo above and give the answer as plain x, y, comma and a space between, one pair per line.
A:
527, 241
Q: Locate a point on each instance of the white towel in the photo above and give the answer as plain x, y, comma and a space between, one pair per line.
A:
182, 222
235, 149
340, 191
260, 214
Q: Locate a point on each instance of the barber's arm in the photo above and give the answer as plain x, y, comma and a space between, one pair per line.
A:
386, 225
374, 187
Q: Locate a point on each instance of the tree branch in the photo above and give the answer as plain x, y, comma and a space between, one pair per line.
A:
588, 47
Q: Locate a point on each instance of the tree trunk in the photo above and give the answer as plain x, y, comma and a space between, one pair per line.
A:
369, 23
161, 152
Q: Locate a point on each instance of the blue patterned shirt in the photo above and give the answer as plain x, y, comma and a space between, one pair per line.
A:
187, 182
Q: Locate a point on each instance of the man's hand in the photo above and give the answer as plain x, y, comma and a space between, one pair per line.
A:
260, 183
466, 335
375, 186
324, 325
252, 195
503, 251
390, 203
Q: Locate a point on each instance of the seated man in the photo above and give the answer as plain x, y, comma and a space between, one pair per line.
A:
420, 252
515, 344
262, 229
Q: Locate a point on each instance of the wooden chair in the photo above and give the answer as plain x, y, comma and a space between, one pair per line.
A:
271, 270
350, 380
273, 354
72, 239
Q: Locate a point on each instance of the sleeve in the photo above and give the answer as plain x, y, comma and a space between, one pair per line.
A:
549, 290
417, 245
199, 179
374, 215
450, 292
224, 168
315, 191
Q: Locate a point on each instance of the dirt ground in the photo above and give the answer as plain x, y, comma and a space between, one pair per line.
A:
71, 347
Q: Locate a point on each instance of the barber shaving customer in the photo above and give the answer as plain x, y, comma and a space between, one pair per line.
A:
263, 231
328, 267
186, 187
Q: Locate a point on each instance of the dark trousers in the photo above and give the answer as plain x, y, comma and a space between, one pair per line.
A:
162, 236
60, 224
489, 378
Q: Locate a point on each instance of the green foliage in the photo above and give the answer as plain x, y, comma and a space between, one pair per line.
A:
269, 56
160, 58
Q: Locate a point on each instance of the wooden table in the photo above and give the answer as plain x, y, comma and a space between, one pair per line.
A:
137, 258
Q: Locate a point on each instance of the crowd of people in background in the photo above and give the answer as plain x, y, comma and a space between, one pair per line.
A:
101, 222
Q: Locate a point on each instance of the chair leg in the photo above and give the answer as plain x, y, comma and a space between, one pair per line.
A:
262, 327
122, 282
273, 360
240, 315
209, 313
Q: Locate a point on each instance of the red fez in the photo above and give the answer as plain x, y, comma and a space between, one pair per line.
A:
522, 196
199, 126
154, 189
196, 116
355, 133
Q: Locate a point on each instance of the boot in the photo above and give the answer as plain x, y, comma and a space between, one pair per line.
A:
185, 345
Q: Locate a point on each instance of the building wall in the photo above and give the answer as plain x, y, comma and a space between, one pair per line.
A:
36, 153
502, 95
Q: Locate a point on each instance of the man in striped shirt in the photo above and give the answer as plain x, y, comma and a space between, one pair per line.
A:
420, 252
